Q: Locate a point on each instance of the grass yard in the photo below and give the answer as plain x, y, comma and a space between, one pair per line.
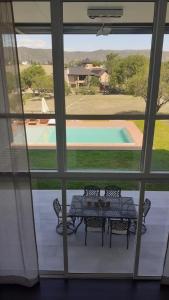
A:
94, 104
91, 104
104, 104
123, 160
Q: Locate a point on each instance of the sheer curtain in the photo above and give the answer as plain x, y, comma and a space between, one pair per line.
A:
18, 253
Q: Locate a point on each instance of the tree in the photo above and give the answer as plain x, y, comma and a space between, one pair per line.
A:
23, 85
97, 63
111, 61
94, 81
137, 85
132, 65
29, 75
43, 83
121, 69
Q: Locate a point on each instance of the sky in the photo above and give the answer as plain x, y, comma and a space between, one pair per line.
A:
92, 42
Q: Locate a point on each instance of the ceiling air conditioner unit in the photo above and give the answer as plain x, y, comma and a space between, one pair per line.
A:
116, 12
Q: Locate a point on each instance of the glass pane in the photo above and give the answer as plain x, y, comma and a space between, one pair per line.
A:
93, 257
112, 80
36, 72
41, 140
109, 144
163, 95
160, 153
49, 242
155, 227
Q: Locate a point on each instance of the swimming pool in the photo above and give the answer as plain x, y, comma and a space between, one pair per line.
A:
38, 135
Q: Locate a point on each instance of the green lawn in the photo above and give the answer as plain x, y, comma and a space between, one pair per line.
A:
126, 160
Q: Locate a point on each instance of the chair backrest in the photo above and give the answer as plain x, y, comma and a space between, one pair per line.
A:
147, 205
57, 207
119, 226
112, 191
91, 191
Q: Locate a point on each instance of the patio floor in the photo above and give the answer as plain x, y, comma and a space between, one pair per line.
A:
93, 258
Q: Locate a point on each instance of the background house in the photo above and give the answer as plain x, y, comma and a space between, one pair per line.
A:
80, 75
77, 76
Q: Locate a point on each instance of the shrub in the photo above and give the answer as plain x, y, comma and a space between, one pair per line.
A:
94, 81
86, 91
67, 89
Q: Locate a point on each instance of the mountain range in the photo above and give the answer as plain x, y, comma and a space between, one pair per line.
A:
44, 56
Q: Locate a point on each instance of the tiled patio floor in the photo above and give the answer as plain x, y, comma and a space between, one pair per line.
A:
93, 258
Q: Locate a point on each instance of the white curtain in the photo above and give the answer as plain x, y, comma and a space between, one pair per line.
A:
18, 252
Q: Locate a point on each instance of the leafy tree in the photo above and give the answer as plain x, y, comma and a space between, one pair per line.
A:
94, 81
43, 83
97, 63
132, 64
110, 61
122, 69
23, 85
137, 85
29, 75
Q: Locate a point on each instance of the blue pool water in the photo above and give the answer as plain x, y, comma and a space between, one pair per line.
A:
81, 135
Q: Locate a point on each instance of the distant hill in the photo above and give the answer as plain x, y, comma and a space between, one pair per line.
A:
44, 56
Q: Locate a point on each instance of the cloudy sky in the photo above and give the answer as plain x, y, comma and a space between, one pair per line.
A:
91, 42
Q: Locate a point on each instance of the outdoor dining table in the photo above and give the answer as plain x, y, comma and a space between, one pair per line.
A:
100, 206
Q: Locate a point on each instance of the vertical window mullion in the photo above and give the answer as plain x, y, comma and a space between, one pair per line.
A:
154, 78
64, 215
59, 100
58, 70
139, 227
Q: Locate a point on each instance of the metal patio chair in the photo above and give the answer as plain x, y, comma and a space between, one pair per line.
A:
146, 208
112, 191
119, 227
70, 221
91, 191
94, 224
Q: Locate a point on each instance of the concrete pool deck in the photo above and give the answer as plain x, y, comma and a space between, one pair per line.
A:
133, 131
